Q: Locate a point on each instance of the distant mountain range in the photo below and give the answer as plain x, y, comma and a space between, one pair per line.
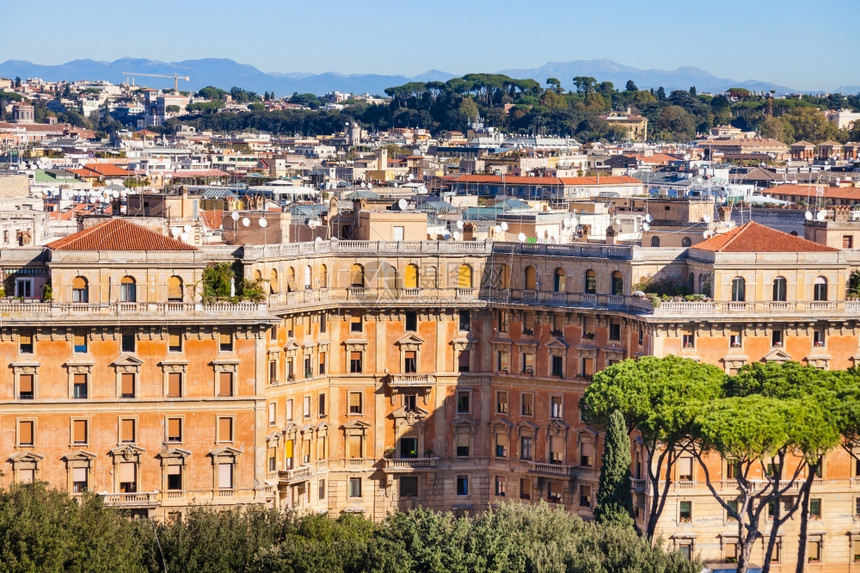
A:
226, 73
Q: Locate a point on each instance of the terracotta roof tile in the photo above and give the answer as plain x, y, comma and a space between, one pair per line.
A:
118, 235
755, 238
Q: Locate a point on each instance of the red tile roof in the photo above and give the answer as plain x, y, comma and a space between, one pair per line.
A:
755, 238
519, 180
118, 235
790, 190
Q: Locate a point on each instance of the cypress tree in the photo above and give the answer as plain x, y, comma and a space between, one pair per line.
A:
614, 497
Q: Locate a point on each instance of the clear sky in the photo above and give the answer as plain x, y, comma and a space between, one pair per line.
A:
801, 44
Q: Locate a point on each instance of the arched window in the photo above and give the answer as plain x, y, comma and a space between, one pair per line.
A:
323, 276
428, 278
779, 289
655, 241
291, 280
531, 278
590, 282
389, 276
258, 276
819, 289
559, 280
309, 277
274, 287
686, 242
127, 290
174, 289
356, 275
410, 279
80, 290
738, 289
617, 283
464, 276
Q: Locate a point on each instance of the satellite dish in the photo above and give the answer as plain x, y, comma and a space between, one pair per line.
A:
821, 215
707, 234
618, 220
460, 225
402, 204
115, 194
313, 224
456, 235
567, 223
370, 186
446, 235
318, 240
263, 223
497, 229
246, 221
184, 237
808, 215
187, 228
648, 217
707, 218
504, 226
234, 215
521, 237
646, 226
363, 185
731, 224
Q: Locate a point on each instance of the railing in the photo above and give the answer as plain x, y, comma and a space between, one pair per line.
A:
638, 485
55, 309
143, 498
410, 380
299, 473
411, 463
544, 468
671, 308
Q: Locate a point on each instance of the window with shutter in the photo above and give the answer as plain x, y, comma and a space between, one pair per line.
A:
25, 387
79, 383
174, 340
174, 385
355, 403
225, 476
225, 341
25, 342
174, 429
225, 429
79, 432
353, 446
225, 384
25, 433
127, 431
127, 385
127, 477
174, 289
79, 480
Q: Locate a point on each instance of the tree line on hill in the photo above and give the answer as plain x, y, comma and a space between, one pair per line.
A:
525, 107
45, 530
769, 427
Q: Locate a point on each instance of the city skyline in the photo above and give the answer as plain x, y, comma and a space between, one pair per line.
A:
456, 38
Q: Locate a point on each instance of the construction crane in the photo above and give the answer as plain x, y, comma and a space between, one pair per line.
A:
176, 78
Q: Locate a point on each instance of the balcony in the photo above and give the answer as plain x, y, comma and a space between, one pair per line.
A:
547, 469
409, 380
399, 465
763, 308
295, 475
52, 311
142, 499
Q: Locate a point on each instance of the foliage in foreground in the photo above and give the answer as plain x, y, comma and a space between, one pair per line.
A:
45, 530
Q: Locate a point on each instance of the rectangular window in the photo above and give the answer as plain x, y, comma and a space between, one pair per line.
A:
500, 486
322, 363
464, 361
174, 477
685, 510
273, 410
323, 323
354, 447
462, 485
528, 323
465, 321
847, 241
776, 338
502, 445
127, 433
558, 366
586, 454
80, 341
79, 480
731, 551
685, 469
525, 488
815, 508
411, 321
528, 401
26, 433
273, 371
25, 342
128, 342
174, 429
528, 363
174, 340
641, 336
408, 486
355, 324
735, 338
464, 402
309, 370
462, 444
501, 402
225, 341
818, 337
502, 321
225, 384
225, 429
688, 340
410, 402
174, 385
558, 325
306, 406
225, 476
291, 371
614, 330
321, 490
556, 450
733, 506
813, 550
79, 432
585, 496
556, 409
355, 362
503, 360
127, 477
355, 405
79, 386
526, 447
127, 385
587, 367
410, 361
289, 410
26, 389
355, 487
321, 405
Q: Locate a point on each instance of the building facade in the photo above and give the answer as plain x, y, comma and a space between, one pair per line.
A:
383, 375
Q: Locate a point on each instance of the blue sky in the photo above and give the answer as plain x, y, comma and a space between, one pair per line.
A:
804, 45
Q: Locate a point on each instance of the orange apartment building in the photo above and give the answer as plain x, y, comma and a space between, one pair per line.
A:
384, 375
